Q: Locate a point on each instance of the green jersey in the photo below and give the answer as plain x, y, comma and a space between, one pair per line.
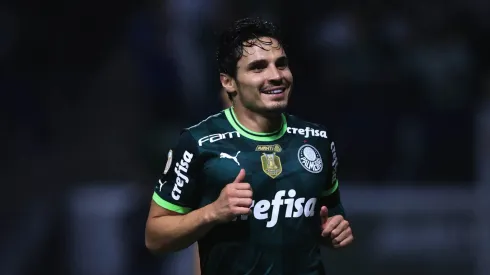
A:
290, 171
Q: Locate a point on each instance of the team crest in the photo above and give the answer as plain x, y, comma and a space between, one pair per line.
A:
310, 158
271, 164
169, 162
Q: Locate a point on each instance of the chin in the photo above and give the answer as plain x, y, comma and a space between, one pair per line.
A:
276, 107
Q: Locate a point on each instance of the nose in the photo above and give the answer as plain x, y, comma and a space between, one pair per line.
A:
274, 74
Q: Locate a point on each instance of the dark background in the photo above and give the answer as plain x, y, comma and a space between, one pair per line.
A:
93, 94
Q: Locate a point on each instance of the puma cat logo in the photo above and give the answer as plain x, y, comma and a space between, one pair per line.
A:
226, 156
161, 184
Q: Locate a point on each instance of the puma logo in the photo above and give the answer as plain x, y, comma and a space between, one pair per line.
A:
161, 184
226, 156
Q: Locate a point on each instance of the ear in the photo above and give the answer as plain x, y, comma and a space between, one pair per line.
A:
228, 83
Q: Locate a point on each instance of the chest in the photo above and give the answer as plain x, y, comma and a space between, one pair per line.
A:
270, 167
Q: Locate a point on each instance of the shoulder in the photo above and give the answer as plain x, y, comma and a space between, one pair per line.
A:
299, 126
211, 129
207, 126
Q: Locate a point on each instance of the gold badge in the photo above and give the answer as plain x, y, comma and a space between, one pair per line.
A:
271, 164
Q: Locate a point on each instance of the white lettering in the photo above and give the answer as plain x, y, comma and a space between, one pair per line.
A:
276, 202
290, 203
181, 168
310, 208
295, 208
176, 193
315, 165
260, 210
298, 205
217, 137
307, 132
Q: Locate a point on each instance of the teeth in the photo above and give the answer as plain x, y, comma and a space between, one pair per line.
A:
274, 91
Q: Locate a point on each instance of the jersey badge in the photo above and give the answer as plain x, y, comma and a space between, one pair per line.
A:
271, 164
310, 159
169, 162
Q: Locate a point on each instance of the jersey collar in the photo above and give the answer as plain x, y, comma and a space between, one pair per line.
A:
230, 115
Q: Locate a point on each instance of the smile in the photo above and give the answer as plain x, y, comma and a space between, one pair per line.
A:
274, 91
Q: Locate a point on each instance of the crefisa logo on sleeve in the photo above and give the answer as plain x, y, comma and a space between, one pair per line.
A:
181, 170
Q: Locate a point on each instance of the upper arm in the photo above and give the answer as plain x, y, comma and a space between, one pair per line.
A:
332, 184
330, 197
158, 211
177, 191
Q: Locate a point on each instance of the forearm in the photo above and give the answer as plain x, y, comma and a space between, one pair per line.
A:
334, 204
173, 233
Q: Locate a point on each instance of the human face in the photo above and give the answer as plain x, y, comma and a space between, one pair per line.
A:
263, 81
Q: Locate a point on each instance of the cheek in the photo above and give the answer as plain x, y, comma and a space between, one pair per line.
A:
252, 86
249, 93
288, 75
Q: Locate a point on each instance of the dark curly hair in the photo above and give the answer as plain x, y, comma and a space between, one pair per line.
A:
234, 40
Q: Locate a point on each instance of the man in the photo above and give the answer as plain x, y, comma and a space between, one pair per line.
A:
256, 187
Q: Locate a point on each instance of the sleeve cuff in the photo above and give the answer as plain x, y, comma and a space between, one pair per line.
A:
331, 190
170, 206
337, 210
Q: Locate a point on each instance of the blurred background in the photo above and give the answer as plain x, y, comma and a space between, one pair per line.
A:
94, 93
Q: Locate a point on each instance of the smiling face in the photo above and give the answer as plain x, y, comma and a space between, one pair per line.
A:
263, 79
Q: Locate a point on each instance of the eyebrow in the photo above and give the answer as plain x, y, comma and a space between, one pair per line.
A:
264, 62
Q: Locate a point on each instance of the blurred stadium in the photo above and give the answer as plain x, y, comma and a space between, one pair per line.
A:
93, 94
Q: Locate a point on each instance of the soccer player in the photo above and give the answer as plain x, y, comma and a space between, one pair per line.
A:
256, 187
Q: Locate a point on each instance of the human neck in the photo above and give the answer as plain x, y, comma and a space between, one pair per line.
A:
258, 122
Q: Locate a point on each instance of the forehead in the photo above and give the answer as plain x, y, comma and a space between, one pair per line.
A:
263, 48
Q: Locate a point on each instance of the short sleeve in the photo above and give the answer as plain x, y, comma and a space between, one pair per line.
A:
177, 189
332, 183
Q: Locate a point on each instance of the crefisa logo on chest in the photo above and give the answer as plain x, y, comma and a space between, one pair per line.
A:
310, 158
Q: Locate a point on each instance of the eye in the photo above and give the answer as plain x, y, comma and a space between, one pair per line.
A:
282, 63
257, 68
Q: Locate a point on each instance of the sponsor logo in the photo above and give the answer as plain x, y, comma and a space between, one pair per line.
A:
307, 132
181, 170
335, 162
295, 208
269, 148
161, 184
217, 137
226, 156
310, 158
169, 162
